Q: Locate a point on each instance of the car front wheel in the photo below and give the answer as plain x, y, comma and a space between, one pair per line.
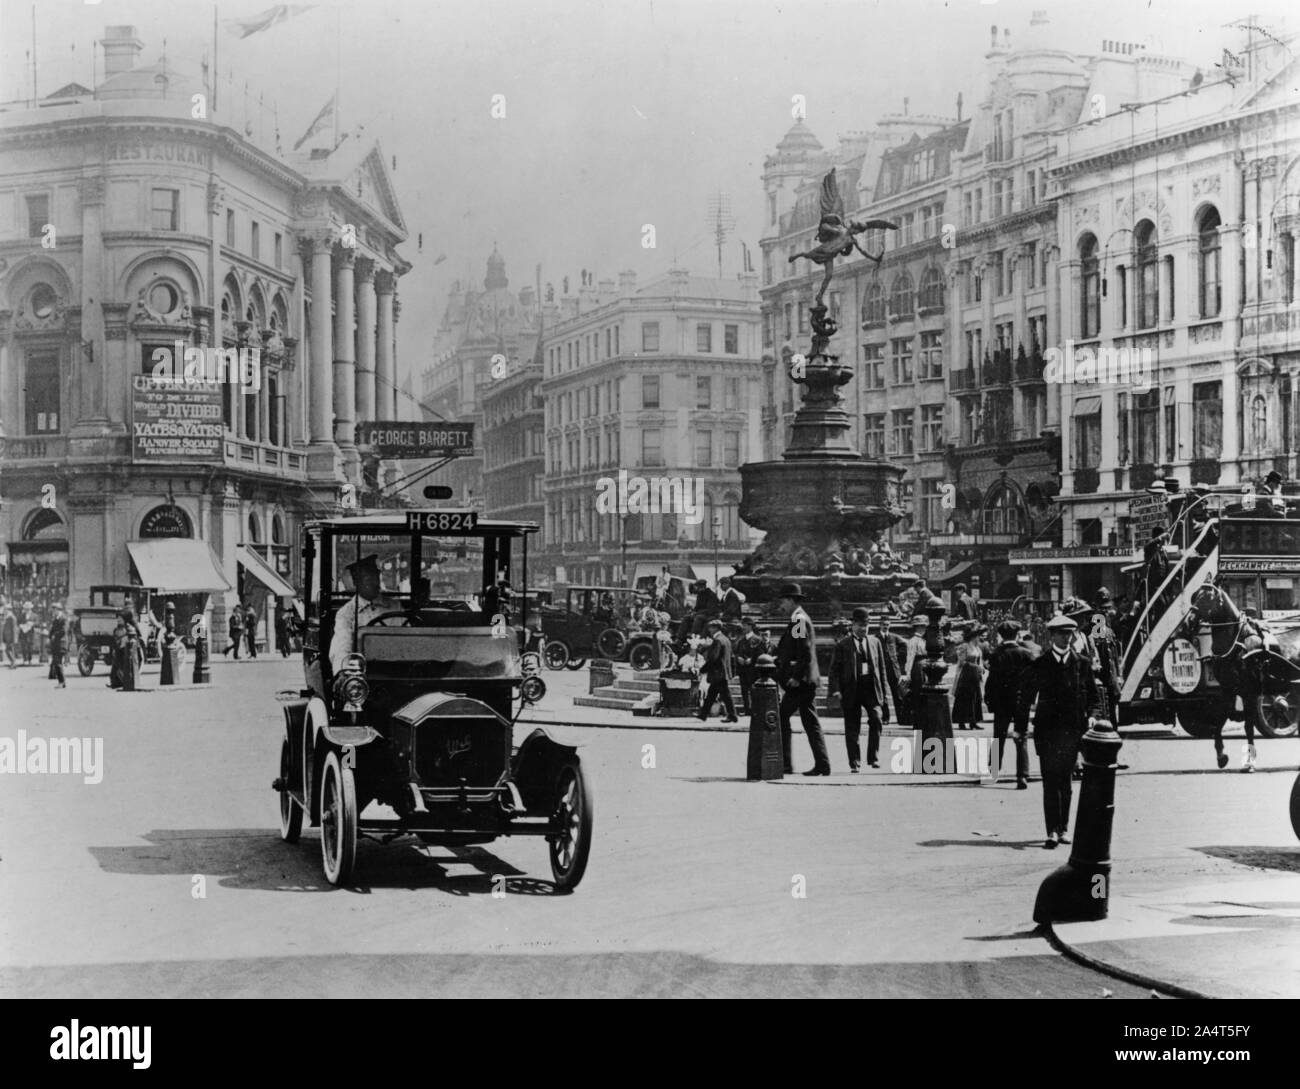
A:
611, 643
290, 810
571, 844
643, 657
557, 655
1278, 716
1295, 807
86, 659
338, 821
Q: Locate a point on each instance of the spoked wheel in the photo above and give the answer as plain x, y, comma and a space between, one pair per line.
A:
576, 663
1278, 716
86, 659
642, 657
611, 643
290, 810
573, 814
1295, 807
530, 662
338, 821
557, 655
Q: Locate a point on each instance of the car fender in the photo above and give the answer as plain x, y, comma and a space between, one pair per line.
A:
536, 766
319, 737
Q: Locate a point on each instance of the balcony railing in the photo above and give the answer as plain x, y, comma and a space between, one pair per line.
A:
962, 378
997, 371
48, 448
258, 455
1030, 368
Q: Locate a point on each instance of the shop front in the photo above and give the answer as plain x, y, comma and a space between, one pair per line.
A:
1054, 574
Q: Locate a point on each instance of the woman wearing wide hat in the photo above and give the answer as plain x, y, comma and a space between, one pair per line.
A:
967, 707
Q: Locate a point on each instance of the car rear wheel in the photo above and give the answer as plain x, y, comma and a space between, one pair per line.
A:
571, 845
338, 821
86, 659
642, 657
1295, 807
557, 654
576, 663
1278, 716
290, 810
611, 643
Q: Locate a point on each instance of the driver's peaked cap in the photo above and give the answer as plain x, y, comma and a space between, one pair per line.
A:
366, 563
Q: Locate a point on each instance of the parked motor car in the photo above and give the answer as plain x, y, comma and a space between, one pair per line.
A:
596, 621
93, 624
418, 719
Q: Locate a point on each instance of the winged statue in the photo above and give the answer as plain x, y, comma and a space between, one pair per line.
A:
837, 235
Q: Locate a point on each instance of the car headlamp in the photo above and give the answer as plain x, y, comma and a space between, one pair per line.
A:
350, 685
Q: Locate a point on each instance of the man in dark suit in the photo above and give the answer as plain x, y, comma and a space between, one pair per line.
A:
717, 671
798, 676
963, 605
1066, 688
1010, 658
861, 672
746, 651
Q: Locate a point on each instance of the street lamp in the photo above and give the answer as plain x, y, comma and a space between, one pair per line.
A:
717, 534
623, 541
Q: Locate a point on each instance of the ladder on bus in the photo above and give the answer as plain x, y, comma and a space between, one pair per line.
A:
1167, 609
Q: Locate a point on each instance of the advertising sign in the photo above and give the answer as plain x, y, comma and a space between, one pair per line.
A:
416, 440
175, 421
1147, 512
1182, 667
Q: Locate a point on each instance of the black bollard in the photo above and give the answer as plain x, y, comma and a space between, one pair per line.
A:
766, 759
1079, 891
199, 633
934, 713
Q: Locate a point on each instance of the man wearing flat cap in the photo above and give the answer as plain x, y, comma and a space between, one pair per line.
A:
860, 671
1065, 686
364, 605
1007, 663
798, 676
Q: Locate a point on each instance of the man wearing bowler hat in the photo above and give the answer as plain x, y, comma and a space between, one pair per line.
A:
1066, 688
798, 676
363, 607
860, 671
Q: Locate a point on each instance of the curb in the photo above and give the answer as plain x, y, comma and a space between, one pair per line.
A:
1125, 975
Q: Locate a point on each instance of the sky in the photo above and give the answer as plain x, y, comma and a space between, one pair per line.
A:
617, 113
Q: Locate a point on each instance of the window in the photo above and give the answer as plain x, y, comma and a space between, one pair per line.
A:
731, 449
931, 355
768, 338
979, 205
1208, 420
900, 351
230, 227
999, 417
789, 329
1037, 332
1122, 410
932, 427
1258, 419
1004, 512
165, 210
649, 336
1031, 265
731, 396
967, 205
904, 443
873, 306
901, 300
1171, 423
1087, 437
771, 209
704, 337
873, 435
974, 347
998, 265
1122, 302
931, 293
803, 317
1034, 408
704, 449
1208, 289
649, 391
617, 348
1148, 273
704, 392
279, 250
1146, 423
932, 512
873, 358
255, 241
1090, 287
38, 214
42, 393
1167, 286
731, 339
969, 420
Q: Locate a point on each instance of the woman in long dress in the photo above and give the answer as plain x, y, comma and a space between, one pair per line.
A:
967, 707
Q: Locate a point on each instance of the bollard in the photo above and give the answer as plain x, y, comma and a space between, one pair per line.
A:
1079, 891
766, 759
199, 633
166, 674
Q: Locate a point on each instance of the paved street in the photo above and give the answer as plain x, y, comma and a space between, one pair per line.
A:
913, 887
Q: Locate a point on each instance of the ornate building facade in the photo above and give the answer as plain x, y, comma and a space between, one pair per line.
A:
131, 230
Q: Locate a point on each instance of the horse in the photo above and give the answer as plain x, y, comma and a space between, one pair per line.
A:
1246, 661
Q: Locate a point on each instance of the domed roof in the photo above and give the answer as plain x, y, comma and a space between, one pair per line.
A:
799, 138
160, 80
496, 273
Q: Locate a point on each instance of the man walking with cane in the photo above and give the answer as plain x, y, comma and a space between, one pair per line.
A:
860, 670
798, 676
717, 671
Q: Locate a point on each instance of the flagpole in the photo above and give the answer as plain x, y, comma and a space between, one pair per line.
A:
338, 69
215, 58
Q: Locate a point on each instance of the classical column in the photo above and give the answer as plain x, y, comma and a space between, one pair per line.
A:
316, 250
368, 398
290, 376
1061, 291
241, 398
385, 376
392, 347
345, 365
1230, 452
91, 411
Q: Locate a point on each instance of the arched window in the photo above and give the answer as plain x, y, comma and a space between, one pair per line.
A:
1004, 511
277, 530
1209, 289
932, 290
1090, 287
873, 306
254, 528
45, 525
1148, 274
730, 517
902, 302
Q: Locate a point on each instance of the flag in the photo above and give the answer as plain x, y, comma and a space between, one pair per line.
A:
322, 119
243, 28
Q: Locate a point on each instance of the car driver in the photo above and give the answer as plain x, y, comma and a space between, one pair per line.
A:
361, 608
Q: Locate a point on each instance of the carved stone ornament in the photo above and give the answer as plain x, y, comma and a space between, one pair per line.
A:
216, 197
144, 314
1202, 187
55, 320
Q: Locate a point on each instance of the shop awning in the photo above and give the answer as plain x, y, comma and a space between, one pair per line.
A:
263, 572
177, 565
954, 572
1087, 406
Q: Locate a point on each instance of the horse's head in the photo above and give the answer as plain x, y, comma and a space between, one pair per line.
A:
1212, 608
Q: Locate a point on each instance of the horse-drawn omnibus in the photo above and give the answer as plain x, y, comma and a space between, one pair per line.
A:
1198, 600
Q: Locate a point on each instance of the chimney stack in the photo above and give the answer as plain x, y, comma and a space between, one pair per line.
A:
121, 47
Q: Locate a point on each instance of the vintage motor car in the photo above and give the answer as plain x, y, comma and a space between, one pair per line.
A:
92, 626
596, 621
413, 734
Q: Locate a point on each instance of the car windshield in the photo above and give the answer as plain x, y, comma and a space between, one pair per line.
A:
439, 654
452, 567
